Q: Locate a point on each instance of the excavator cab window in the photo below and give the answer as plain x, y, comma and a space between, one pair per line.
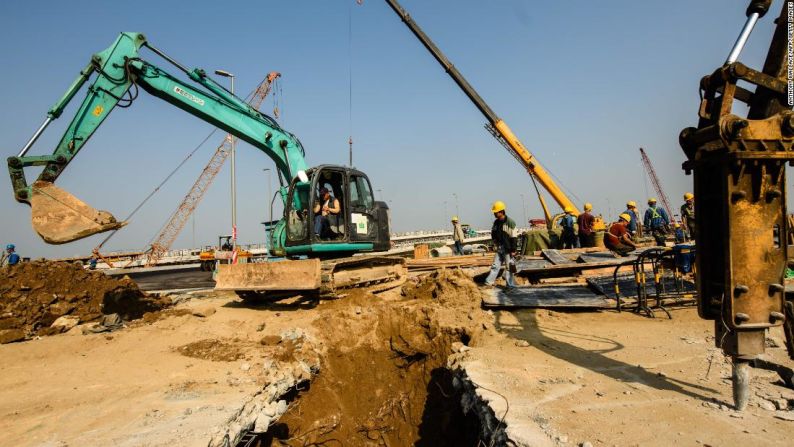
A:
333, 229
298, 212
362, 214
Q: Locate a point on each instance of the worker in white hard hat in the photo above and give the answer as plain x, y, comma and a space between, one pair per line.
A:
505, 241
568, 231
457, 235
586, 220
688, 216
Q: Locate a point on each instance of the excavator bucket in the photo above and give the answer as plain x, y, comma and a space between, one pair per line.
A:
60, 217
278, 276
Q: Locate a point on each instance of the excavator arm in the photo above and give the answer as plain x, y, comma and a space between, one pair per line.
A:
58, 216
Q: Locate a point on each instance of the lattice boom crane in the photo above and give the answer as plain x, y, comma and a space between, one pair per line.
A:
179, 218
657, 186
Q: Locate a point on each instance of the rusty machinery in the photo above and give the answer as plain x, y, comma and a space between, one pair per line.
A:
738, 164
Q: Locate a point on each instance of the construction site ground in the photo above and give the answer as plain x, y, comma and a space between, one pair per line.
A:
421, 365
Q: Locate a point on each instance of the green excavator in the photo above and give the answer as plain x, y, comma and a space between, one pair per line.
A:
319, 261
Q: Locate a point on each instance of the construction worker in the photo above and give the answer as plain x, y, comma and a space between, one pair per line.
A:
585, 222
10, 257
568, 232
679, 233
657, 221
503, 235
688, 216
457, 235
634, 225
618, 239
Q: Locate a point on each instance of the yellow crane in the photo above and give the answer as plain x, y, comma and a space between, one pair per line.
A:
496, 126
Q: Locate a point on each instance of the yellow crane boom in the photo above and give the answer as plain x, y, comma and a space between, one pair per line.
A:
495, 125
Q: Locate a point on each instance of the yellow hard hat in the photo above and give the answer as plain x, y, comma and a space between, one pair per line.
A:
689, 196
626, 217
498, 206
569, 209
454, 218
631, 203
652, 200
677, 225
588, 206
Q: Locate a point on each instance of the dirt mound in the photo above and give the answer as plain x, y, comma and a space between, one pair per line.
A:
383, 379
33, 295
212, 349
451, 287
454, 302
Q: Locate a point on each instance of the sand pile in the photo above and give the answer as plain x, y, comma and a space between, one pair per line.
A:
34, 295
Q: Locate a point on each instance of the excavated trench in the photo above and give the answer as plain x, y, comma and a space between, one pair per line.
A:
382, 377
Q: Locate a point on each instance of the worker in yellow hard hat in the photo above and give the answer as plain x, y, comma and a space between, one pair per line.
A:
635, 226
505, 240
618, 239
688, 216
585, 221
457, 235
657, 221
568, 235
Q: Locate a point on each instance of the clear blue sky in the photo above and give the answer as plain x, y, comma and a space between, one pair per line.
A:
582, 83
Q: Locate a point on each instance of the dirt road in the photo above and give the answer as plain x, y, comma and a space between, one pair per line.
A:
419, 366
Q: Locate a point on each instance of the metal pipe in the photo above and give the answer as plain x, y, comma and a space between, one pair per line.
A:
35, 137
741, 41
168, 58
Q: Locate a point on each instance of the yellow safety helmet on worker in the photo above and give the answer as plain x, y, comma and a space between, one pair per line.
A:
631, 204
498, 206
588, 206
625, 216
568, 210
454, 218
689, 196
651, 201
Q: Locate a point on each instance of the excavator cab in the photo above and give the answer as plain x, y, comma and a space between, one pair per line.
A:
334, 214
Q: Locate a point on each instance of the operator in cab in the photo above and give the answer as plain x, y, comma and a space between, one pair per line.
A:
504, 237
618, 238
326, 206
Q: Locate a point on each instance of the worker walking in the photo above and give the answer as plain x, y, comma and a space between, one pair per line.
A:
585, 222
617, 239
457, 235
688, 216
635, 225
10, 257
503, 235
568, 232
657, 221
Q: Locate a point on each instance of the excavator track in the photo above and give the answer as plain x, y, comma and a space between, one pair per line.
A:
376, 273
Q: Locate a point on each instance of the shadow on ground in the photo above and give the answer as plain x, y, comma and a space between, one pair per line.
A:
596, 360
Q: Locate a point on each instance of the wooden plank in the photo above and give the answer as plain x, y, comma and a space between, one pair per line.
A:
568, 296
600, 256
556, 257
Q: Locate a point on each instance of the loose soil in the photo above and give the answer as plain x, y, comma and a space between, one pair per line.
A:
33, 295
382, 379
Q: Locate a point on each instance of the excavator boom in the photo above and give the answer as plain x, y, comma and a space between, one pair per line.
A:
59, 217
